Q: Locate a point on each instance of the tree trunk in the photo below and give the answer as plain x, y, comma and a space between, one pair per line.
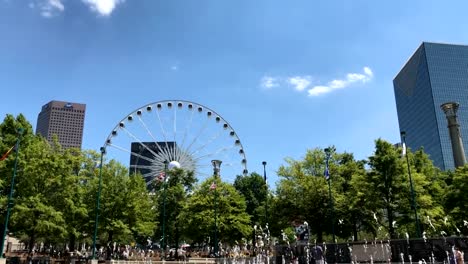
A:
355, 231
32, 241
390, 221
176, 240
110, 250
389, 207
72, 242
319, 233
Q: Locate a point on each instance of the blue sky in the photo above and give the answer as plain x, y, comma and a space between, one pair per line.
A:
287, 75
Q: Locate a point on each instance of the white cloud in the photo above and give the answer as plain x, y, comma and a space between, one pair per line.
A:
50, 8
47, 8
299, 82
368, 71
350, 79
318, 90
56, 4
268, 82
304, 82
174, 67
103, 7
336, 84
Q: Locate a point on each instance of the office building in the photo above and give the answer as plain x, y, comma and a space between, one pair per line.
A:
434, 75
64, 119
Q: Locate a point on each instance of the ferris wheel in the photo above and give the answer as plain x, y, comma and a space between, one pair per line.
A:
176, 133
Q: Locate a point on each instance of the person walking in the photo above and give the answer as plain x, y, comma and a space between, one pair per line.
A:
458, 256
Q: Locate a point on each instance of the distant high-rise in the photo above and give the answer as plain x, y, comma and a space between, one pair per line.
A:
64, 119
434, 75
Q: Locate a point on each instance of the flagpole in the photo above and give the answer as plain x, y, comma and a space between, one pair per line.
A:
413, 198
216, 169
10, 196
98, 200
164, 212
264, 163
328, 152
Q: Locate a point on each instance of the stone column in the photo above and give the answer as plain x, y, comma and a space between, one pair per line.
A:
450, 109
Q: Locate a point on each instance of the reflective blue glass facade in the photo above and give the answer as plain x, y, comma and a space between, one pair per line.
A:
435, 74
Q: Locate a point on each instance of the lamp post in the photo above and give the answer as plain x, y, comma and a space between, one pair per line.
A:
413, 198
328, 152
163, 244
264, 163
10, 196
103, 151
216, 168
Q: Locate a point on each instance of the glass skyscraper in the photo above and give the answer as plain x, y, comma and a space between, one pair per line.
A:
435, 74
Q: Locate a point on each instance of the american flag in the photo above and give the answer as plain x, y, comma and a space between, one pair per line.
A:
327, 173
213, 186
161, 176
4, 156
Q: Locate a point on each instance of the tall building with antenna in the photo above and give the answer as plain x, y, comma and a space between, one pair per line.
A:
64, 119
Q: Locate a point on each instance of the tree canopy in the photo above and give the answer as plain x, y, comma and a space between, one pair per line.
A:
55, 193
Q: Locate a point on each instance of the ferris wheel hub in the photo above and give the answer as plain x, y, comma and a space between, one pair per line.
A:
174, 164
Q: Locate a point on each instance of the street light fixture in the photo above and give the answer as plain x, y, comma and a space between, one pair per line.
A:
328, 152
216, 169
10, 196
163, 244
413, 198
264, 163
103, 151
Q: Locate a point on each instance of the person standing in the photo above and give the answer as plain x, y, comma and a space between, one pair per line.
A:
458, 256
318, 254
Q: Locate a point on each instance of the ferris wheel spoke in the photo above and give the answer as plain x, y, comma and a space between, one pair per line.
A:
164, 134
187, 127
154, 139
139, 141
211, 140
204, 174
214, 153
147, 129
143, 166
174, 132
131, 153
198, 135
205, 166
186, 159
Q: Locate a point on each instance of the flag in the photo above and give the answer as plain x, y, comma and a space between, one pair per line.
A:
4, 156
403, 149
161, 176
327, 174
213, 186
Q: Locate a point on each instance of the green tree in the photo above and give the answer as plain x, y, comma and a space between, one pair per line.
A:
39, 187
429, 188
178, 186
254, 190
8, 136
126, 207
388, 181
198, 218
386, 185
352, 207
70, 200
456, 200
302, 193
